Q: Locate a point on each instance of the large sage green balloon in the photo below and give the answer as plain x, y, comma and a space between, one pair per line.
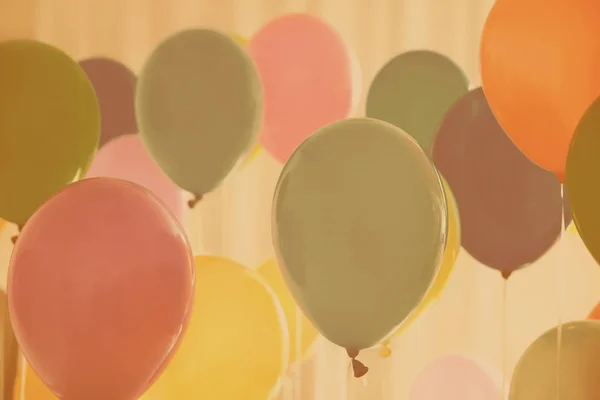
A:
199, 107
359, 229
414, 90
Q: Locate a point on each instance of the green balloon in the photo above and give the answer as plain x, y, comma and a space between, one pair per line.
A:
359, 229
199, 107
414, 90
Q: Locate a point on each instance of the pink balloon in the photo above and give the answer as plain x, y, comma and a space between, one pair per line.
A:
454, 378
125, 157
307, 75
100, 289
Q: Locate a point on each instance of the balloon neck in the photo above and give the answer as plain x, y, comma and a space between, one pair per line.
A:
506, 274
561, 177
192, 203
14, 238
359, 368
385, 351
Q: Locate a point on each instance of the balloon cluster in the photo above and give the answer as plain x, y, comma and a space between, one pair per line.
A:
106, 298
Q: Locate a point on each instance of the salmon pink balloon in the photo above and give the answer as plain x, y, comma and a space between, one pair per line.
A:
100, 287
125, 157
307, 74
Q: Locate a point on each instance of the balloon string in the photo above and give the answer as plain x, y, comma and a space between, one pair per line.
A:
504, 337
560, 284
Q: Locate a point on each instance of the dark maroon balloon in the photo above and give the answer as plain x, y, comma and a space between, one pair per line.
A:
115, 88
510, 209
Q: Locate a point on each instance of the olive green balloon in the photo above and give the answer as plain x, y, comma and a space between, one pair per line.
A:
536, 375
359, 229
199, 107
414, 90
49, 125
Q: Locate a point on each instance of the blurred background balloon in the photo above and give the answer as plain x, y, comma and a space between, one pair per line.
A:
306, 71
359, 227
450, 255
455, 377
10, 352
510, 209
114, 84
199, 107
569, 371
537, 99
583, 164
236, 346
125, 157
301, 332
414, 90
49, 125
100, 289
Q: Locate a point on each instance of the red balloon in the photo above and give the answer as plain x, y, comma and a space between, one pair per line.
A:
100, 289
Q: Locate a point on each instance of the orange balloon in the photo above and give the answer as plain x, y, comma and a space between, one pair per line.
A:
595, 314
540, 68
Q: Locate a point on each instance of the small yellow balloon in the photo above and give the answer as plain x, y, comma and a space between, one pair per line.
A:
572, 228
269, 271
2, 223
49, 125
448, 262
34, 388
236, 344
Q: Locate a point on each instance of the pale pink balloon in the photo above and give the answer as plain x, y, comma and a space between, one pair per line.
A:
125, 157
307, 74
454, 378
100, 288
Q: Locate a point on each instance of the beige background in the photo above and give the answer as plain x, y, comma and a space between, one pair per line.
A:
234, 221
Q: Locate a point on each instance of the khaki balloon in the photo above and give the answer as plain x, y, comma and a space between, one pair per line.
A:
414, 90
199, 107
537, 375
359, 228
581, 178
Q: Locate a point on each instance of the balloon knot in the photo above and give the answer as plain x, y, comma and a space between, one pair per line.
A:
359, 368
506, 274
192, 203
385, 351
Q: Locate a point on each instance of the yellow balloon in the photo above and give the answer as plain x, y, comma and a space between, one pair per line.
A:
49, 125
10, 351
236, 344
448, 262
572, 228
536, 375
242, 41
269, 271
2, 223
34, 388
